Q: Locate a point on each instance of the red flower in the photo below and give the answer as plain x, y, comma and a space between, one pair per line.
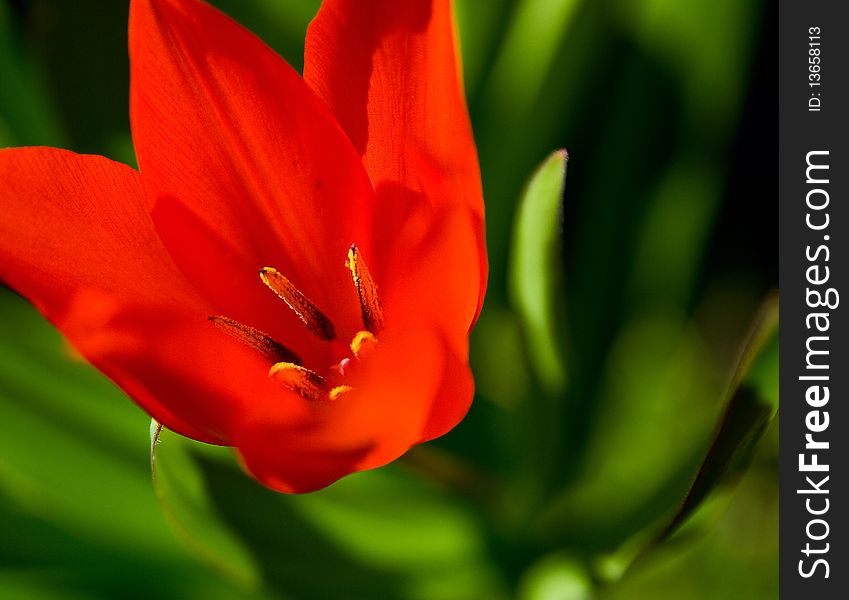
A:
296, 265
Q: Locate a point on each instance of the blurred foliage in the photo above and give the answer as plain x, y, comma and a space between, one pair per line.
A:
605, 362
536, 286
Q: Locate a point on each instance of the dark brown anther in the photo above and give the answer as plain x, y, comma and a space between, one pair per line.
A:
271, 349
308, 384
309, 313
366, 290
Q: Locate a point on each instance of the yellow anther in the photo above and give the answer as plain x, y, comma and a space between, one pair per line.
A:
308, 384
257, 340
309, 313
338, 391
363, 343
366, 290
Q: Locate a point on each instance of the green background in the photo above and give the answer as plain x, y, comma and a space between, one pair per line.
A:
612, 327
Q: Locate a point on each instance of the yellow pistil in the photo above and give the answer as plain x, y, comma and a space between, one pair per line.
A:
300, 380
370, 306
309, 313
256, 340
363, 343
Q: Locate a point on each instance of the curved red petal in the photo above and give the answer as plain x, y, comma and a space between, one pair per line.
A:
442, 270
243, 166
390, 73
72, 221
76, 239
453, 399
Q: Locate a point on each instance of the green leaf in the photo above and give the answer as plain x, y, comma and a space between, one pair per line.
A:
750, 407
526, 56
181, 491
69, 429
655, 394
556, 577
535, 270
732, 554
377, 534
746, 418
281, 24
26, 113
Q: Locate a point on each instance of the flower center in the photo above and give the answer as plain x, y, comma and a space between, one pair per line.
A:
287, 367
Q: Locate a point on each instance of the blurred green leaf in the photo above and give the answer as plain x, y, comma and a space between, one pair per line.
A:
69, 424
536, 29
181, 491
671, 237
746, 418
26, 113
682, 35
498, 343
79, 50
383, 533
479, 25
742, 426
656, 409
281, 24
727, 550
763, 373
536, 268
556, 577
29, 586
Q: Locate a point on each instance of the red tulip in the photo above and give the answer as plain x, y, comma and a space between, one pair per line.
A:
296, 265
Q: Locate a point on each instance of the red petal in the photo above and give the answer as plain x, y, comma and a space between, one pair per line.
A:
76, 239
442, 270
71, 221
454, 398
441, 267
389, 71
243, 166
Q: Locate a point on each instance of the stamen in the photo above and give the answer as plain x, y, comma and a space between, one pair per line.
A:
256, 340
309, 313
308, 384
366, 290
338, 391
363, 343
